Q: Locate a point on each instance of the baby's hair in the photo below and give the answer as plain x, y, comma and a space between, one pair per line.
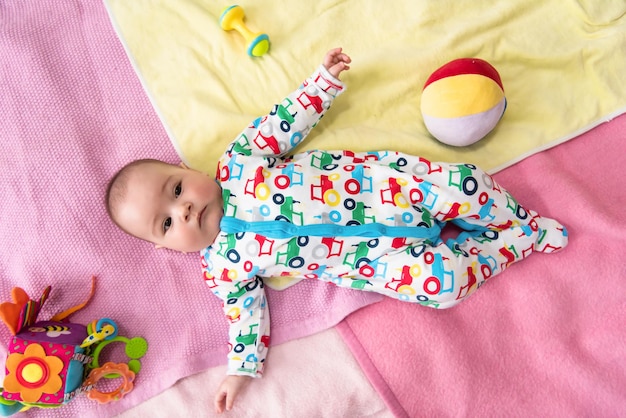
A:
117, 187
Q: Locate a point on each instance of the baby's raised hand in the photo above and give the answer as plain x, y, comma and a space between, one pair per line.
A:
336, 61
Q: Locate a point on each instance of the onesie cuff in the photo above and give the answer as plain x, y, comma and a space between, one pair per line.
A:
245, 368
328, 82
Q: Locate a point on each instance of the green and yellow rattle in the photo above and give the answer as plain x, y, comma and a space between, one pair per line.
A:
232, 18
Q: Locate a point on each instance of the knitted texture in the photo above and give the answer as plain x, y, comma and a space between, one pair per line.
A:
73, 112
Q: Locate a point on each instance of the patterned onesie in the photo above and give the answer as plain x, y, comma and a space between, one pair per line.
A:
369, 221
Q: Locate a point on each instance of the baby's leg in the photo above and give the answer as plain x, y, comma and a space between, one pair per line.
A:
442, 275
467, 196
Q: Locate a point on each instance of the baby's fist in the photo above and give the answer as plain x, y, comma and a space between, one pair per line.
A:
336, 61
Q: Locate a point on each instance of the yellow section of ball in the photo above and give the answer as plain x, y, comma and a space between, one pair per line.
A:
460, 95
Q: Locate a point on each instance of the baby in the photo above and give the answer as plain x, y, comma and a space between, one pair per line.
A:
364, 220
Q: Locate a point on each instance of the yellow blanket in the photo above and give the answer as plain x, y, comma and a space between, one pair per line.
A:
562, 63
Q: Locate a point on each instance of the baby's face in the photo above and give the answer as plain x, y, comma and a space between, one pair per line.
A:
172, 207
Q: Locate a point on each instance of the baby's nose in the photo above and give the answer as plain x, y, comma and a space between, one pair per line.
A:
185, 211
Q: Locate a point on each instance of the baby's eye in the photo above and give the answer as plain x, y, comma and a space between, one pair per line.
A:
178, 189
166, 224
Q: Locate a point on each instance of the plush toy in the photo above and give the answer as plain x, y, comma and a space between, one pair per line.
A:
50, 362
463, 101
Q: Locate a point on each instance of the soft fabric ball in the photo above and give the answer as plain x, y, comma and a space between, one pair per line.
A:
463, 101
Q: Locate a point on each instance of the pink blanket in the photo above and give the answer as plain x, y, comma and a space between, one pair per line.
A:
72, 111
548, 337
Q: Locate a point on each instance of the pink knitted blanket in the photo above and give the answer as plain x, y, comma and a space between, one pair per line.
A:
72, 111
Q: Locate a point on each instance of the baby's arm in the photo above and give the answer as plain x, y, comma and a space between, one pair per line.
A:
245, 307
290, 121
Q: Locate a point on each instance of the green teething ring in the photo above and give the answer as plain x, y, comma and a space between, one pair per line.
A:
135, 348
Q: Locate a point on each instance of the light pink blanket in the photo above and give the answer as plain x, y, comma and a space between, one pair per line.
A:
548, 337
72, 111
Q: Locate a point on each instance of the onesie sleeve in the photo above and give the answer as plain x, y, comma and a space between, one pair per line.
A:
290, 121
245, 306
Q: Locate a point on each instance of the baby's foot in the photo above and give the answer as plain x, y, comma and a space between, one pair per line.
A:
552, 236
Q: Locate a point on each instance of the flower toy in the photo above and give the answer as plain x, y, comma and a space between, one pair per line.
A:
50, 362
